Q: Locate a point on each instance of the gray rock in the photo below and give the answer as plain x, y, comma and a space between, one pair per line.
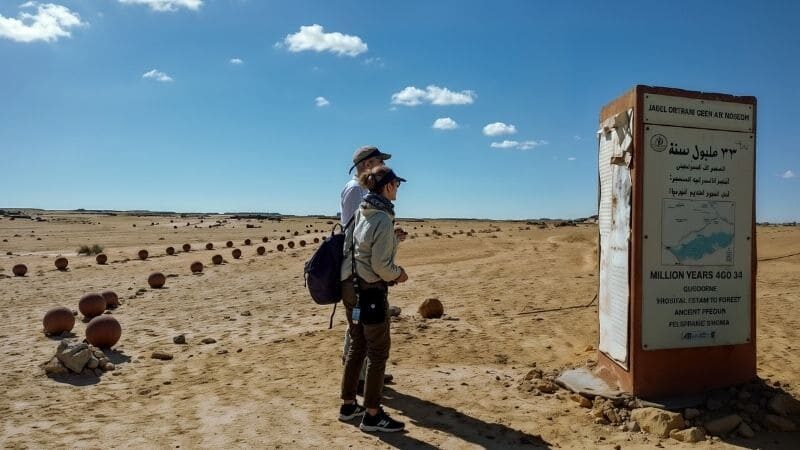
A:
751, 408
54, 367
691, 413
179, 339
99, 354
778, 423
73, 354
108, 367
208, 340
93, 363
713, 404
745, 431
632, 426
693, 434
246, 313
784, 405
657, 421
723, 425
394, 311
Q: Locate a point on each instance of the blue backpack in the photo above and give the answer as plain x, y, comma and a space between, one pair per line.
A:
323, 270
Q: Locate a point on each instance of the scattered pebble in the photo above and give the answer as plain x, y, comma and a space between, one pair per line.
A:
162, 356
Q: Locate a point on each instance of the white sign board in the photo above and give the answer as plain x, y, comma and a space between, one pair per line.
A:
697, 224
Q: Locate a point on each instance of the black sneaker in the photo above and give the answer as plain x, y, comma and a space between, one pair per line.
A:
350, 412
380, 422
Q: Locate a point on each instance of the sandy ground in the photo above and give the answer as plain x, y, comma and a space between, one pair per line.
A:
271, 380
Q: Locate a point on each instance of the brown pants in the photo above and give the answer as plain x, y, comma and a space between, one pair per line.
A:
372, 341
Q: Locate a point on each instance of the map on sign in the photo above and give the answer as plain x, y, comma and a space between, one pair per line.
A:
697, 233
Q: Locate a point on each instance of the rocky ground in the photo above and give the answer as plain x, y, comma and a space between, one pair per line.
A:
238, 356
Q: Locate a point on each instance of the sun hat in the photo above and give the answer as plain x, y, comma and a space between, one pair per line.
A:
366, 152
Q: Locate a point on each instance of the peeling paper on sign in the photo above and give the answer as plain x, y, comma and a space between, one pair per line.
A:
615, 155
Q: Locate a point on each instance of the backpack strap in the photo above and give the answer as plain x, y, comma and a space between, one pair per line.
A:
330, 322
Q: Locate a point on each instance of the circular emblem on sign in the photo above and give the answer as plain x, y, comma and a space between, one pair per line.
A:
658, 142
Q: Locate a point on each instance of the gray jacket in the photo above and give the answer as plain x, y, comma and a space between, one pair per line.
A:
376, 246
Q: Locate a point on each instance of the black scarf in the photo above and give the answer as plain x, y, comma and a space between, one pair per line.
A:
377, 201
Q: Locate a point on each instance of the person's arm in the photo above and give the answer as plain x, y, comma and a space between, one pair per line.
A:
351, 199
382, 259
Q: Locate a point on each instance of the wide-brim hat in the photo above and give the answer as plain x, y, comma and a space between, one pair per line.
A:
366, 152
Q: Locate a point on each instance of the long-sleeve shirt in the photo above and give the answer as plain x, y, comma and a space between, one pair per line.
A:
352, 194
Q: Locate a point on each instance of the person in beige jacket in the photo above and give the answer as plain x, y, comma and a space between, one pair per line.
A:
365, 296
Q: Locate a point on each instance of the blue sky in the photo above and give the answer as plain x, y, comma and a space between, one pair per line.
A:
142, 104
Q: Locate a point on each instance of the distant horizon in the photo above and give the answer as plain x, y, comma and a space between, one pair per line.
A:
230, 213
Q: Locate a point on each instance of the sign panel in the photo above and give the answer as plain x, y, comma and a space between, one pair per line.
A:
698, 113
697, 225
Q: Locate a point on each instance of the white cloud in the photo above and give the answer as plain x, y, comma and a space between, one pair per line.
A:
445, 123
435, 95
321, 101
524, 145
236, 61
166, 5
571, 158
498, 129
49, 23
376, 61
576, 138
314, 37
158, 75
505, 144
788, 174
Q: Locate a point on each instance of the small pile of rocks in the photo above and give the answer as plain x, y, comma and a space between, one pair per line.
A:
743, 410
75, 357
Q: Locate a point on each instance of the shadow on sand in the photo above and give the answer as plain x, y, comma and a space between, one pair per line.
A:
449, 421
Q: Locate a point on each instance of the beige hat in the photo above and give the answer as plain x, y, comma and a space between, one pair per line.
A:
366, 152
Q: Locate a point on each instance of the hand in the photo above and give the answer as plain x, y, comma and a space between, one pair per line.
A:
400, 233
403, 276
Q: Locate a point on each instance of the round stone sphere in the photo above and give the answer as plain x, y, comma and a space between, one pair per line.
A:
156, 280
103, 331
209, 246
187, 247
170, 251
290, 244
216, 259
92, 305
296, 233
260, 250
61, 263
247, 242
280, 247
196, 267
143, 254
302, 243
101, 258
20, 270
282, 238
111, 298
229, 244
265, 239
58, 320
236, 253
431, 308
316, 240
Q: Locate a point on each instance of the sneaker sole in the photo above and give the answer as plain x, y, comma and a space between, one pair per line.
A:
350, 417
370, 428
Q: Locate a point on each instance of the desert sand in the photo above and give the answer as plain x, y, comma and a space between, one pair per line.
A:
271, 379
